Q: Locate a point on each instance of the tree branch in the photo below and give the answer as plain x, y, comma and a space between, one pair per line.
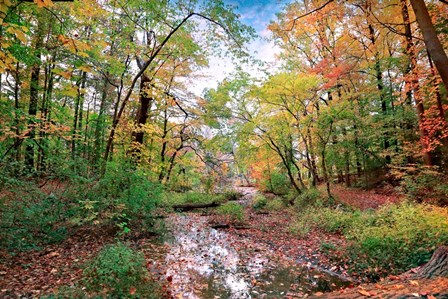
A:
307, 14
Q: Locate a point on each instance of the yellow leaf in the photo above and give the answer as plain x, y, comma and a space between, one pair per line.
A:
85, 68
17, 32
414, 282
3, 8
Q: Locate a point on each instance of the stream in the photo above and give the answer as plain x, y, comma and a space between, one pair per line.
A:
203, 262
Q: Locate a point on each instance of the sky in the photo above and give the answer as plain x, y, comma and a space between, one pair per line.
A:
258, 14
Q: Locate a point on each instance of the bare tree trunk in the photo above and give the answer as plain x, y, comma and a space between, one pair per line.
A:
432, 42
99, 126
78, 107
32, 113
413, 83
379, 82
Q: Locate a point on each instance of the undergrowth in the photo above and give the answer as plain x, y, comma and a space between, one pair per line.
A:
234, 212
392, 239
119, 272
35, 214
172, 198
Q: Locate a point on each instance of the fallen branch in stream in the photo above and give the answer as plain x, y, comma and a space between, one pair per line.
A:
189, 207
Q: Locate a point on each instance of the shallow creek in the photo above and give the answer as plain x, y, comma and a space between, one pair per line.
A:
203, 262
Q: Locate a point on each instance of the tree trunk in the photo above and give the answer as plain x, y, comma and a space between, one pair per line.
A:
142, 115
99, 127
32, 112
78, 112
379, 83
437, 265
432, 42
325, 174
413, 83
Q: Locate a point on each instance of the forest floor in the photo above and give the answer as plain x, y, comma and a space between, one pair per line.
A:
260, 259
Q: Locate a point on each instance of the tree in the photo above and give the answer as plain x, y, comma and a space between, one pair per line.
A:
432, 42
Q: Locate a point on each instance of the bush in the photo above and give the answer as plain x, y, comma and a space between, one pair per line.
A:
279, 183
309, 197
124, 196
233, 211
31, 219
171, 199
392, 239
275, 205
398, 238
119, 272
259, 202
300, 228
276, 182
423, 184
232, 195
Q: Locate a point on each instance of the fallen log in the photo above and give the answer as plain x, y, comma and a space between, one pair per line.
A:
437, 265
189, 207
220, 225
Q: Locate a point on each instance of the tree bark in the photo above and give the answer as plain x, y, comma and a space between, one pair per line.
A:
437, 265
142, 116
432, 42
32, 112
413, 83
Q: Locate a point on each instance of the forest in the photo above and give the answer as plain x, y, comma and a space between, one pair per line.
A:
152, 149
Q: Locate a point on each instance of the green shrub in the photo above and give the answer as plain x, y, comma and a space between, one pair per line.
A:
31, 219
171, 199
232, 195
117, 270
124, 196
300, 228
233, 211
275, 205
399, 237
327, 247
422, 183
275, 181
309, 197
259, 202
392, 239
279, 183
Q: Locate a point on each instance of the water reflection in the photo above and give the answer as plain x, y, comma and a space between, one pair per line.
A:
205, 263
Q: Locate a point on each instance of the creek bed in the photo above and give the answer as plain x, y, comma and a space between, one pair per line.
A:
203, 262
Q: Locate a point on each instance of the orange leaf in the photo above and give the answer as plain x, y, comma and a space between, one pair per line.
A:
364, 293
